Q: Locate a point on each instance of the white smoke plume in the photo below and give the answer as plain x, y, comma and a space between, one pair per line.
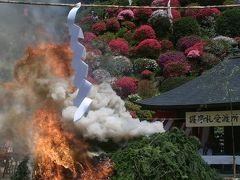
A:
108, 118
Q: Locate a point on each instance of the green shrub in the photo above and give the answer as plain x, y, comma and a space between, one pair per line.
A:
220, 48
121, 32
142, 64
118, 65
146, 89
161, 25
107, 37
185, 26
172, 83
141, 114
228, 23
165, 156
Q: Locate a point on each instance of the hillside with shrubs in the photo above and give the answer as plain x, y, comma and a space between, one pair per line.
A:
143, 53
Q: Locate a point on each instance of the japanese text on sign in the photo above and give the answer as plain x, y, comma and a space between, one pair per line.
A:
213, 118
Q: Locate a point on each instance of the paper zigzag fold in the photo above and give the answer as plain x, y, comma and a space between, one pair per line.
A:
81, 68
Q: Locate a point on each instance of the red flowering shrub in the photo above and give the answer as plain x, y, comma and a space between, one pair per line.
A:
187, 42
176, 69
166, 45
125, 86
99, 27
175, 14
174, 3
144, 32
170, 56
146, 74
195, 51
148, 48
112, 24
202, 13
129, 25
142, 14
119, 46
89, 37
112, 12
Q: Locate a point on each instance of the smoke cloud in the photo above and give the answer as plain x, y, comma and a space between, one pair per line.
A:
23, 26
108, 118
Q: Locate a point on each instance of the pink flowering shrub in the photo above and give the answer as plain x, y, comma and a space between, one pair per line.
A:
144, 32
119, 46
126, 14
176, 69
89, 37
187, 42
142, 14
166, 45
125, 86
170, 56
129, 25
174, 3
148, 48
195, 51
202, 13
112, 24
99, 27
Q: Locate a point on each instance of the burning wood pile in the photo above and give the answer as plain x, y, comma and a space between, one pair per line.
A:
56, 148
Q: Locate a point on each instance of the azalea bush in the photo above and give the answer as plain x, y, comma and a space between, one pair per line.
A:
202, 13
129, 25
142, 15
99, 27
149, 48
141, 64
119, 46
176, 69
187, 42
219, 48
166, 45
112, 24
144, 32
126, 15
125, 86
89, 37
170, 56
195, 51
118, 65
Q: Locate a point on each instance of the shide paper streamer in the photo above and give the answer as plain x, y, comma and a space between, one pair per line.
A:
80, 67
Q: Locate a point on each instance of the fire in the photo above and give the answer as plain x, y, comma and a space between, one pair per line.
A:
59, 153
58, 150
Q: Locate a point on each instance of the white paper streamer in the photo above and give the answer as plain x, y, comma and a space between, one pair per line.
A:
169, 12
80, 67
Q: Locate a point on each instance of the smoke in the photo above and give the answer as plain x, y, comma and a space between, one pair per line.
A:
108, 118
23, 26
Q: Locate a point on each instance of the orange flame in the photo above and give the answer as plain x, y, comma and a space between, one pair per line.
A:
60, 154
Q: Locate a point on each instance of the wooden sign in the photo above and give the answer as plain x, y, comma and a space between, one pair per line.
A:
213, 118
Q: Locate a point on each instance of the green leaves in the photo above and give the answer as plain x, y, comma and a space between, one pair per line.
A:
166, 156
